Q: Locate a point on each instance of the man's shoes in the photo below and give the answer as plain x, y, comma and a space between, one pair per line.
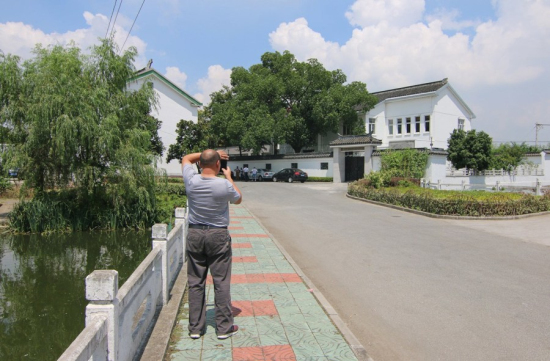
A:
234, 330
195, 336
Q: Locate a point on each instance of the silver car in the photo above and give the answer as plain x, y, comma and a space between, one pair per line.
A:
262, 174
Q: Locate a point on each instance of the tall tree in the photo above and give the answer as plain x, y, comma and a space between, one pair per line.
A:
282, 100
192, 137
470, 149
76, 126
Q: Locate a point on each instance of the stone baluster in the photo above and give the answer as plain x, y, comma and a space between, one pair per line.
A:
160, 235
101, 291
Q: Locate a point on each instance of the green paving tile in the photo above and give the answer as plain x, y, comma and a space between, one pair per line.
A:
341, 353
273, 338
321, 327
284, 303
307, 346
312, 358
186, 355
245, 321
246, 341
187, 343
217, 354
289, 319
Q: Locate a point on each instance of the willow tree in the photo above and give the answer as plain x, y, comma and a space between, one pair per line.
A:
282, 100
76, 128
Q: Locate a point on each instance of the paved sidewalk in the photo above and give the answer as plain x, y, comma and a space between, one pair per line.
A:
278, 316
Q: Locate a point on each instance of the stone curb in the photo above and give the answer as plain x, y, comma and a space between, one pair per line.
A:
350, 338
440, 216
158, 342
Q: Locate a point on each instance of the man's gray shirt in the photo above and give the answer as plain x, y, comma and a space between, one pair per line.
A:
208, 198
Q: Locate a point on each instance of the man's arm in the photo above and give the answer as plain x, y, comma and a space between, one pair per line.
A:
190, 158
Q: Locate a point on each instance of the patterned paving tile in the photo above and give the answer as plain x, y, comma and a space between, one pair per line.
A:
245, 259
241, 245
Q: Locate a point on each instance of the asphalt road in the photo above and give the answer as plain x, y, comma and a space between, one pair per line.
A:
416, 288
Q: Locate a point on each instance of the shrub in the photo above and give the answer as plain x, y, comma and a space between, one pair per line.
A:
454, 203
320, 179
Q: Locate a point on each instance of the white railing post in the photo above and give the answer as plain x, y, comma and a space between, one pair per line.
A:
160, 235
422, 183
538, 191
181, 217
101, 291
498, 186
463, 185
439, 184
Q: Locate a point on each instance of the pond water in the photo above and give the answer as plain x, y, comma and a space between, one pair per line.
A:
42, 286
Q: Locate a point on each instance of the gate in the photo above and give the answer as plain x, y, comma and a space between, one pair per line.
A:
354, 167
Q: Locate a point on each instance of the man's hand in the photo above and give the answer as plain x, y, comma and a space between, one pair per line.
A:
223, 155
227, 173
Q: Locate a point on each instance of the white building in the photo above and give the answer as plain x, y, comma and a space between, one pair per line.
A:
174, 104
418, 116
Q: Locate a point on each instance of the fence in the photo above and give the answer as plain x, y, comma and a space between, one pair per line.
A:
534, 187
496, 172
119, 321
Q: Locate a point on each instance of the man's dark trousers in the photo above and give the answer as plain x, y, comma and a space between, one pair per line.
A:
209, 249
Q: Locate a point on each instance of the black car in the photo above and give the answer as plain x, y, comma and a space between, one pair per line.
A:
290, 175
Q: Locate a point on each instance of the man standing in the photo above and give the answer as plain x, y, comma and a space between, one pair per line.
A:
254, 173
208, 240
245, 172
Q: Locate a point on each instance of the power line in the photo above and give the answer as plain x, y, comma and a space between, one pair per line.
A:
127, 36
114, 22
112, 12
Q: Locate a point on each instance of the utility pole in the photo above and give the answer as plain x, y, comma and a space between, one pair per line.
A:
538, 126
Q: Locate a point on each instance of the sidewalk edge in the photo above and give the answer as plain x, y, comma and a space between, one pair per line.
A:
358, 349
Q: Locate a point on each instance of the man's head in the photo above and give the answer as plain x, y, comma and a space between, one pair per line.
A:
209, 159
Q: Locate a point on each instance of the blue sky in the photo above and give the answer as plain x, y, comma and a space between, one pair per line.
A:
494, 52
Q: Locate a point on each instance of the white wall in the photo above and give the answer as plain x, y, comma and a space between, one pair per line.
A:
444, 110
172, 107
312, 166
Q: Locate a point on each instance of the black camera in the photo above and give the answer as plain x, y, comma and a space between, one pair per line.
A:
223, 163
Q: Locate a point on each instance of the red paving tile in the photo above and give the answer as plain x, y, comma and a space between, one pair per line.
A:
262, 278
249, 235
254, 308
235, 222
245, 259
264, 308
234, 228
248, 354
241, 245
279, 352
242, 308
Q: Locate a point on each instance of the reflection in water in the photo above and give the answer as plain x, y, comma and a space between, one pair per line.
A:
42, 286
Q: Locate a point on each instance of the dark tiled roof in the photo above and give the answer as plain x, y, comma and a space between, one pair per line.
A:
429, 151
410, 90
355, 139
280, 156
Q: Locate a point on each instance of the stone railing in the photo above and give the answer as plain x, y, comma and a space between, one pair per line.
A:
119, 321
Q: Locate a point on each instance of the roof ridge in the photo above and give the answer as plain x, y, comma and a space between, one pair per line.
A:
443, 82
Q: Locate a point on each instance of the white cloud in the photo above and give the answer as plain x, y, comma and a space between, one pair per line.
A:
217, 77
448, 19
365, 13
19, 38
176, 76
394, 47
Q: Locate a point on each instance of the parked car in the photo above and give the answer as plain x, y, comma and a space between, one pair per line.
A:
263, 174
290, 175
13, 173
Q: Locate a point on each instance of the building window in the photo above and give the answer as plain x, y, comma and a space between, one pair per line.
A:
399, 125
460, 124
426, 123
268, 166
408, 125
372, 123
417, 124
390, 126
293, 165
324, 165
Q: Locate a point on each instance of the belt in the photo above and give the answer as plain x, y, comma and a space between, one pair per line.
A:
205, 226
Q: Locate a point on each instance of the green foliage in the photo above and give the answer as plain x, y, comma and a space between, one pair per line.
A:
406, 163
76, 130
470, 149
454, 203
282, 100
510, 155
192, 138
5, 185
378, 179
320, 179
